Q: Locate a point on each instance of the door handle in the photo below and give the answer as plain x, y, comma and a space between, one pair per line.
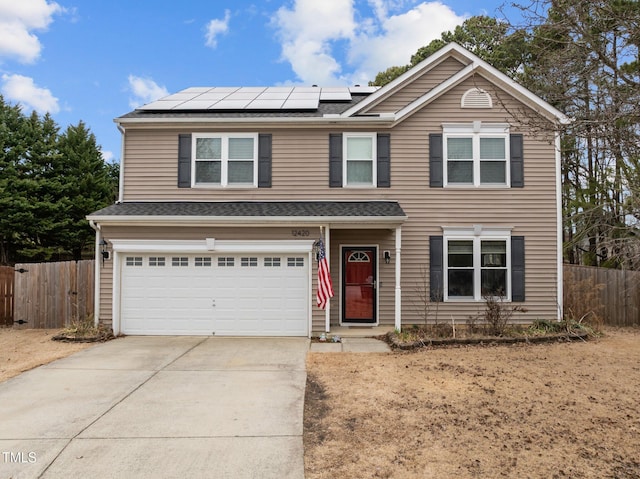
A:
374, 284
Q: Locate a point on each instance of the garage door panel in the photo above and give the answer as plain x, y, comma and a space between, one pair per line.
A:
226, 295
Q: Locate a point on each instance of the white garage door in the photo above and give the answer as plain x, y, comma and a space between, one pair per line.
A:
242, 294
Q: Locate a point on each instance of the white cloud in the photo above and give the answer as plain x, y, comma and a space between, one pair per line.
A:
399, 37
217, 27
307, 32
313, 33
18, 19
144, 90
23, 90
107, 156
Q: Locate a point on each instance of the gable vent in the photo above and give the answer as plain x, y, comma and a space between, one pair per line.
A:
476, 98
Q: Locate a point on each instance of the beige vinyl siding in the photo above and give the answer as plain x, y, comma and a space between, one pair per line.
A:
530, 211
301, 169
418, 87
106, 291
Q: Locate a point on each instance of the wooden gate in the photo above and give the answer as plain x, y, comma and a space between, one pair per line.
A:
53, 295
6, 295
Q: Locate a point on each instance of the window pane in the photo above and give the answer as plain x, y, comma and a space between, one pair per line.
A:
459, 148
493, 172
208, 172
492, 149
360, 148
494, 254
240, 172
459, 171
241, 148
494, 282
460, 254
208, 148
359, 172
461, 282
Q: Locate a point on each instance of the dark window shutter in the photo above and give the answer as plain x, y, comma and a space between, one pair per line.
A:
517, 163
335, 160
384, 160
517, 268
436, 266
184, 161
264, 160
435, 160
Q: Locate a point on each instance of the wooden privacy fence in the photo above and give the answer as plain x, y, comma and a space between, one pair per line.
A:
53, 295
614, 294
6, 295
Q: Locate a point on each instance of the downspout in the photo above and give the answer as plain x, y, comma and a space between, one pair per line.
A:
398, 290
121, 178
560, 285
96, 281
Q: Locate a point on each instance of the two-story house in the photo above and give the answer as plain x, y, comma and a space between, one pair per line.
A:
437, 189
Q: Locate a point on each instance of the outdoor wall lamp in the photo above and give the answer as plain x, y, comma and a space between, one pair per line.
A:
105, 252
387, 257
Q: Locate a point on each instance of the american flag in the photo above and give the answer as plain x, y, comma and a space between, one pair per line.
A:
325, 288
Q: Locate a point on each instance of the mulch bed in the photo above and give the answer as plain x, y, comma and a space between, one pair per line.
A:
100, 336
396, 343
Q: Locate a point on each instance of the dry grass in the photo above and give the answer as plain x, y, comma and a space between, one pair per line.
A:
24, 349
528, 411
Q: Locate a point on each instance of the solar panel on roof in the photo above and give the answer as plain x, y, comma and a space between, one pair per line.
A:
239, 98
301, 104
161, 105
260, 104
195, 105
335, 94
230, 105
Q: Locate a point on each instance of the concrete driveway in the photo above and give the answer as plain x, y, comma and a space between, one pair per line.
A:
159, 407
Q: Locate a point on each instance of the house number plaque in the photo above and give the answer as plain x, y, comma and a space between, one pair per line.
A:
299, 232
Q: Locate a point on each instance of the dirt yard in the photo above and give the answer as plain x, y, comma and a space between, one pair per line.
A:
24, 349
561, 410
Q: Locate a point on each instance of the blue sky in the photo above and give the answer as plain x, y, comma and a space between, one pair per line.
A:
95, 60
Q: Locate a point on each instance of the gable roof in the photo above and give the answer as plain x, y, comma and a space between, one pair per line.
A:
474, 65
328, 105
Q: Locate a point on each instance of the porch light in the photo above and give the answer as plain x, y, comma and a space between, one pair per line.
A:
387, 257
105, 253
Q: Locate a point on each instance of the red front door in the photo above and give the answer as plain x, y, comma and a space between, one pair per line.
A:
359, 285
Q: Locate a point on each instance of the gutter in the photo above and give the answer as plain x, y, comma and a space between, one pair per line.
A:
97, 257
351, 221
121, 173
289, 121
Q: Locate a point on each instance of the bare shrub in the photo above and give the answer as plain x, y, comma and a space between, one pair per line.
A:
422, 301
497, 314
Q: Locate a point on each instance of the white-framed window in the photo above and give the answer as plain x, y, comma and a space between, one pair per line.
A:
296, 262
134, 261
248, 261
476, 154
224, 160
477, 264
359, 167
179, 261
226, 261
203, 261
272, 262
156, 261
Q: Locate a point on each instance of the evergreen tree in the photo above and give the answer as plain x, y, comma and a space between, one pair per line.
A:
48, 184
87, 185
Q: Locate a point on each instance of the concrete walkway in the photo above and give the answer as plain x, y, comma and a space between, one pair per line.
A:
159, 407
351, 345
